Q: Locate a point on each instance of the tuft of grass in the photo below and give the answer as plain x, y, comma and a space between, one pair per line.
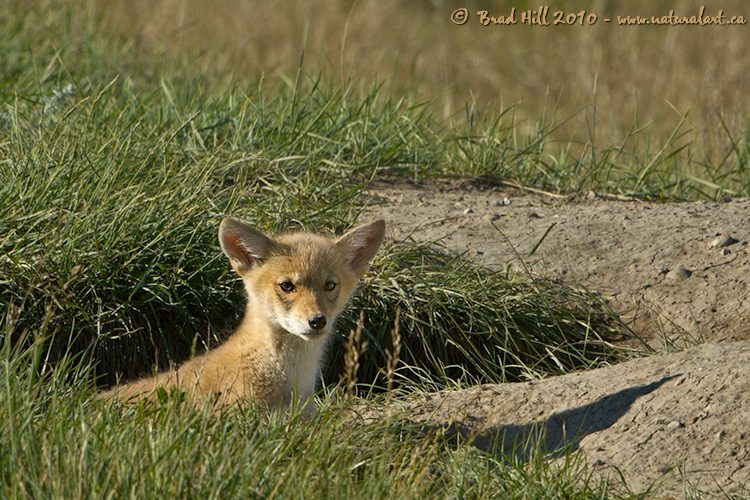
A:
489, 145
461, 321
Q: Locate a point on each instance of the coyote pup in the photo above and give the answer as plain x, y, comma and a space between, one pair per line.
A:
297, 284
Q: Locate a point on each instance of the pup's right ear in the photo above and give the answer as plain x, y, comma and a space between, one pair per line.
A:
245, 246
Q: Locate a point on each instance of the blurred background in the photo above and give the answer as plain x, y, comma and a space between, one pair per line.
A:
632, 76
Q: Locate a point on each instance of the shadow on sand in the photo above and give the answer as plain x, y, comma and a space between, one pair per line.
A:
561, 432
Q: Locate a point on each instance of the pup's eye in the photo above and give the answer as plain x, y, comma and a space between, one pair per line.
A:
330, 285
287, 286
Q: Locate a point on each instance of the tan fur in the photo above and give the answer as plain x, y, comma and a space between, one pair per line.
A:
277, 350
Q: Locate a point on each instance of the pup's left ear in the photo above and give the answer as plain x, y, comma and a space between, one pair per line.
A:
361, 244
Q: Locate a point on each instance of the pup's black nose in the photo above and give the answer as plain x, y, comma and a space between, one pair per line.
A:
317, 322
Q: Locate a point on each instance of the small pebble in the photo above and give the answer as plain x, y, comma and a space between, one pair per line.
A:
468, 211
679, 273
675, 424
722, 241
534, 215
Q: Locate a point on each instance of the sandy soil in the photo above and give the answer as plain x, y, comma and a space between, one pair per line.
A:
677, 274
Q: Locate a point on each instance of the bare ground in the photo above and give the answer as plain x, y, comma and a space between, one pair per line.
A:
678, 276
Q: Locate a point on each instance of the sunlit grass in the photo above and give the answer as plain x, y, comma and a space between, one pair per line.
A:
59, 442
117, 161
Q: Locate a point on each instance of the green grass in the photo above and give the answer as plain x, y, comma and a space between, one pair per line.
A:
127, 184
448, 332
58, 442
114, 175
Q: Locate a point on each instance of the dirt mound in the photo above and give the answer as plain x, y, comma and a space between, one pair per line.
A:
679, 419
677, 274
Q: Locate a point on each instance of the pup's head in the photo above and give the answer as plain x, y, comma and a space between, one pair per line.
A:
300, 282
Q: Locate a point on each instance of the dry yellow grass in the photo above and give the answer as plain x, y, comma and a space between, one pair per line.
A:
638, 69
